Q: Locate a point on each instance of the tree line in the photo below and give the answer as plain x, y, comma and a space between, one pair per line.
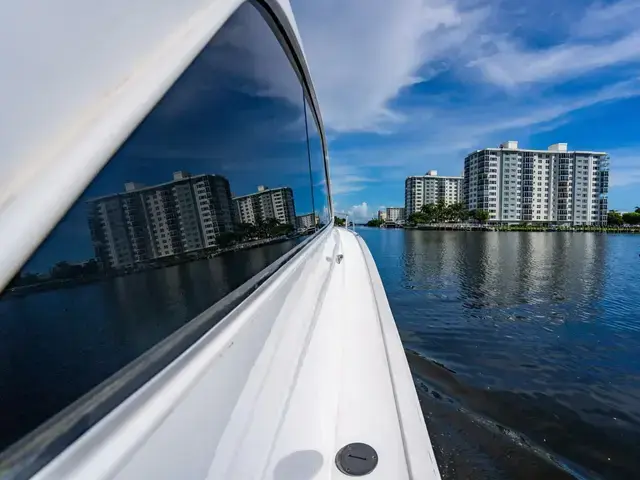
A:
339, 222
630, 218
246, 232
442, 213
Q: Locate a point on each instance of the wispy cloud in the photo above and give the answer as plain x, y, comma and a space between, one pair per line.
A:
346, 179
605, 19
362, 53
513, 65
606, 35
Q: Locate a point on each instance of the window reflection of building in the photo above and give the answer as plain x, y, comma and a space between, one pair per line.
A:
266, 203
304, 222
144, 223
316, 161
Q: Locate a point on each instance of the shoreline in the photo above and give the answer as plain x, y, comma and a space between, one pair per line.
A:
521, 228
160, 263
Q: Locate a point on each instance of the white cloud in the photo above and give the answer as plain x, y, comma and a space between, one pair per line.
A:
359, 213
362, 53
513, 65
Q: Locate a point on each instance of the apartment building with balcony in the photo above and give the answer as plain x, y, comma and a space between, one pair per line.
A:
395, 214
539, 186
304, 222
148, 222
266, 203
430, 188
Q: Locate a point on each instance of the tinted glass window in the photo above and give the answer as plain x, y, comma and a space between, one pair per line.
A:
211, 188
319, 179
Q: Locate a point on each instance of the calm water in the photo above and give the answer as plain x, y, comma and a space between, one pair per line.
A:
57, 345
525, 348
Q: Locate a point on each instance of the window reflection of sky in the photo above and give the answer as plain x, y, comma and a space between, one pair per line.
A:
237, 112
320, 195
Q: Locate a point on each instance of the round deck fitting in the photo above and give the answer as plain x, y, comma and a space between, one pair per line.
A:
356, 459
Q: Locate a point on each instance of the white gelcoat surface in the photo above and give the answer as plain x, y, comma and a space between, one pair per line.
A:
309, 362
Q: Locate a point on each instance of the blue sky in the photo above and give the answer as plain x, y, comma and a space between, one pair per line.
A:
406, 86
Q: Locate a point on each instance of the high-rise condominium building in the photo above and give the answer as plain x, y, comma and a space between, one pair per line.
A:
266, 203
395, 214
551, 186
144, 223
303, 222
382, 215
430, 188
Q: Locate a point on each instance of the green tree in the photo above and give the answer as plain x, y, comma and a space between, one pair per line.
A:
272, 227
637, 209
614, 218
441, 212
226, 239
374, 222
339, 222
457, 212
282, 229
482, 215
417, 217
245, 231
631, 218
429, 213
61, 269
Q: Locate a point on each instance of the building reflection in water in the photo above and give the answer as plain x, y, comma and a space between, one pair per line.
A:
508, 271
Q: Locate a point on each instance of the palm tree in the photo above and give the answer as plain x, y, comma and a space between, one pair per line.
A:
429, 212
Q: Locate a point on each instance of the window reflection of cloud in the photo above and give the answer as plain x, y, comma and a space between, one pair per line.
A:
266, 65
230, 109
317, 169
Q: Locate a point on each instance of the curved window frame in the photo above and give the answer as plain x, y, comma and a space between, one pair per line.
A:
36, 449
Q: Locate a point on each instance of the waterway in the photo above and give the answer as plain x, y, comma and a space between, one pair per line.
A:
524, 347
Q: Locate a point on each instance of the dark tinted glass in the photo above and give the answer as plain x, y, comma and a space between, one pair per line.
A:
318, 173
202, 196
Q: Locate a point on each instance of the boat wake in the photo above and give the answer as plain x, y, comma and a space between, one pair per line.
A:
470, 444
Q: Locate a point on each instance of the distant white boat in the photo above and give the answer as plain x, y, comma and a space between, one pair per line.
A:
304, 378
